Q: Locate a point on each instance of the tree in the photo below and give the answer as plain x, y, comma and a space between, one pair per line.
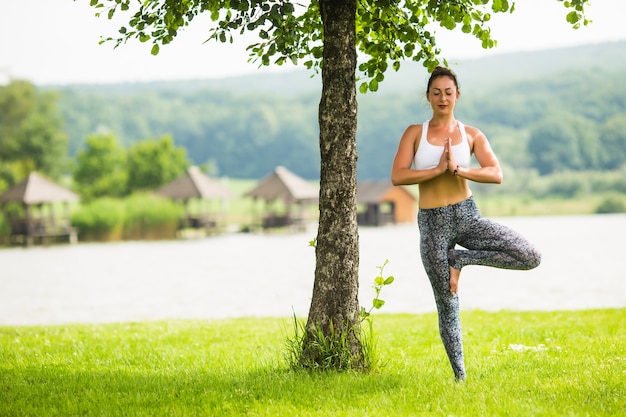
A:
101, 168
325, 35
562, 141
613, 142
31, 132
152, 163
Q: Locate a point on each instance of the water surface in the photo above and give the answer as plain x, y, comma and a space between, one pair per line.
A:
239, 275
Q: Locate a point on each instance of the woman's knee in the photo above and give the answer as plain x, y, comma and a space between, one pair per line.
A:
532, 258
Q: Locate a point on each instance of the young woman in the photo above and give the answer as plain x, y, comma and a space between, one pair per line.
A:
436, 155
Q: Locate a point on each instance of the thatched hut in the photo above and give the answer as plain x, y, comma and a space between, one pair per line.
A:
196, 187
287, 198
38, 222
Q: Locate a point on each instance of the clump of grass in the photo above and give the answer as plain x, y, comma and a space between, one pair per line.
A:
519, 364
332, 349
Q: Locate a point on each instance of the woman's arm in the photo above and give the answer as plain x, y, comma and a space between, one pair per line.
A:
489, 171
401, 172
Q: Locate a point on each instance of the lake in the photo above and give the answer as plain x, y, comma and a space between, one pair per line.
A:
271, 275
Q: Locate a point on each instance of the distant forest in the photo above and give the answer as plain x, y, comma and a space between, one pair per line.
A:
547, 111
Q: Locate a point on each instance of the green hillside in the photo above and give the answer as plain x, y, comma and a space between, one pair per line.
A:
245, 126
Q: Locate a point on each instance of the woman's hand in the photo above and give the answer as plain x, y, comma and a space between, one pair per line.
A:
451, 164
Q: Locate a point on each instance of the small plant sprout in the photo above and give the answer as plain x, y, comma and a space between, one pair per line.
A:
379, 282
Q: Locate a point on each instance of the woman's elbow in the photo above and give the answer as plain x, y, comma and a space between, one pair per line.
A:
497, 176
396, 178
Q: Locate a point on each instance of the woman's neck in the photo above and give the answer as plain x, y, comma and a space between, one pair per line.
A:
443, 120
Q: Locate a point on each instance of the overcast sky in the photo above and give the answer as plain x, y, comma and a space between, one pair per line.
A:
56, 42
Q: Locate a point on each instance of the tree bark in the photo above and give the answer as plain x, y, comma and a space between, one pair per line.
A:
335, 291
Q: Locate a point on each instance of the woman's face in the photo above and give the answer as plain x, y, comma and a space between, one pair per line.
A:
442, 95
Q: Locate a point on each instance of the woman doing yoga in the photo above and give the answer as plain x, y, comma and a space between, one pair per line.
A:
436, 155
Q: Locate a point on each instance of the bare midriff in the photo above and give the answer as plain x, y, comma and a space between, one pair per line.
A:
444, 190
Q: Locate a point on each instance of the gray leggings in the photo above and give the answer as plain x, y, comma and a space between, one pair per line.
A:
486, 242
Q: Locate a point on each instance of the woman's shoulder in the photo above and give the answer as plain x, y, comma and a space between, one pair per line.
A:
414, 130
474, 132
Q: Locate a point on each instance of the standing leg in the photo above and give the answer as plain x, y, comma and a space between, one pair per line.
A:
435, 243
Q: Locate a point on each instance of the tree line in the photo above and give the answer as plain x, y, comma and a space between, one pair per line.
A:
115, 139
568, 121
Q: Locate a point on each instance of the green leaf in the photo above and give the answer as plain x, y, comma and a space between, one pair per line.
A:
572, 17
373, 86
377, 303
155, 49
379, 281
389, 280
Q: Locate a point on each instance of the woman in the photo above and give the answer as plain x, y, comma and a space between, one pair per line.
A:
436, 155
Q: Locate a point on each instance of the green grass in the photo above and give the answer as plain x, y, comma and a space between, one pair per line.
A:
508, 205
519, 364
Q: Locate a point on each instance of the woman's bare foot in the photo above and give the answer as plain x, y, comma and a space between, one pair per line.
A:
454, 280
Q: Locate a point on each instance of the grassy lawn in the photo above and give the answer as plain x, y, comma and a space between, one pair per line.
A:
519, 364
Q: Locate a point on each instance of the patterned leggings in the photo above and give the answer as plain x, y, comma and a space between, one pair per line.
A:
486, 242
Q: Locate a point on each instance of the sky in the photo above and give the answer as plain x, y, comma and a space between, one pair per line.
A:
56, 42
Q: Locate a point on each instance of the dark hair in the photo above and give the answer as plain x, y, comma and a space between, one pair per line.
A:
442, 72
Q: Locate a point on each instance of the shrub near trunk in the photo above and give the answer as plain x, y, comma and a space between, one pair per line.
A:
149, 217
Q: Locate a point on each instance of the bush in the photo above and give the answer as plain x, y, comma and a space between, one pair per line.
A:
611, 204
151, 217
5, 230
99, 220
140, 216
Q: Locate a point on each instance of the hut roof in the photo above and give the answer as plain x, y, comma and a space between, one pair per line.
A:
36, 189
374, 191
283, 184
194, 184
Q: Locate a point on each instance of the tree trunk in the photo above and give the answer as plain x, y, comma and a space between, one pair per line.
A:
335, 306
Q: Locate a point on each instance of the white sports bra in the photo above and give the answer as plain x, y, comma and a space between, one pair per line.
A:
428, 155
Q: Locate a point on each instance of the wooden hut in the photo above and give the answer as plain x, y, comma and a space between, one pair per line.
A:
195, 186
39, 223
287, 198
380, 203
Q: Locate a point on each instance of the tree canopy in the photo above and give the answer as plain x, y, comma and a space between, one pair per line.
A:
100, 168
32, 136
387, 31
